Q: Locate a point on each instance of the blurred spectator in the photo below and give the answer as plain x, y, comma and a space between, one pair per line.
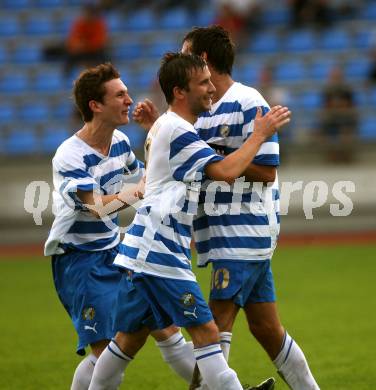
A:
192, 6
273, 94
239, 17
315, 13
339, 118
86, 43
126, 6
372, 70
345, 9
158, 6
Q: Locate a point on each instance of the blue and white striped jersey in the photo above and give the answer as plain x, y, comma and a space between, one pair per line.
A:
77, 166
247, 230
158, 242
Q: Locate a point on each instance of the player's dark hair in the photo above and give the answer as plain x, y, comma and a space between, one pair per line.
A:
215, 41
176, 70
90, 86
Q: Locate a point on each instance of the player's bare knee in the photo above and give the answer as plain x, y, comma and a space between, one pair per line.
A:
98, 347
224, 313
224, 323
131, 343
204, 334
164, 334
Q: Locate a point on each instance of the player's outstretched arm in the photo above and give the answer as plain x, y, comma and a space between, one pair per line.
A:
233, 165
145, 114
102, 205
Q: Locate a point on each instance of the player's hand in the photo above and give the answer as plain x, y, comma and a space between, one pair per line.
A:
140, 188
265, 126
145, 114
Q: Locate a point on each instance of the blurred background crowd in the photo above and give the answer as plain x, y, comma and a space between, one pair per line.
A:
316, 56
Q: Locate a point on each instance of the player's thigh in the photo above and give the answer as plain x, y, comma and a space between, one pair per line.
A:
224, 313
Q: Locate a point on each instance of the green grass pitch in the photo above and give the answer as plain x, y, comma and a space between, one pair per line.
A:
326, 299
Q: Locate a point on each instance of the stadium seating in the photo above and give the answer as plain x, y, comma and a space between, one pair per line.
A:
22, 141
293, 70
39, 25
34, 111
14, 83
49, 81
357, 68
7, 113
16, 4
368, 128
52, 137
4, 57
335, 39
304, 41
34, 91
9, 26
27, 53
141, 20
175, 19
264, 43
135, 134
320, 68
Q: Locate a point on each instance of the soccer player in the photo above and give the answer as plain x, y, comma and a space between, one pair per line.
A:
90, 169
240, 245
157, 246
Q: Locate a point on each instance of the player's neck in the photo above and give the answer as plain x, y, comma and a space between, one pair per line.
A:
97, 136
222, 83
183, 112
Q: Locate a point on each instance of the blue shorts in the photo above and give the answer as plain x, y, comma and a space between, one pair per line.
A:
242, 281
173, 301
87, 283
131, 310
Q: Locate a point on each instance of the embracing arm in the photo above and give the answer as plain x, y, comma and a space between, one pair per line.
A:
233, 165
260, 173
102, 205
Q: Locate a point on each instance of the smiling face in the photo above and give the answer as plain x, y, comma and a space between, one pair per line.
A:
116, 103
200, 92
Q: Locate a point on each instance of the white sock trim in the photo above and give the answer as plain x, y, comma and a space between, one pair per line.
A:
115, 349
176, 338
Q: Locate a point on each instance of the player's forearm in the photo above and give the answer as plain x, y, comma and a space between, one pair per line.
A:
260, 173
233, 165
102, 205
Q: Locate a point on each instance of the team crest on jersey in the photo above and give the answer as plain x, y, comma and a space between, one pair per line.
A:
188, 299
88, 313
224, 130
